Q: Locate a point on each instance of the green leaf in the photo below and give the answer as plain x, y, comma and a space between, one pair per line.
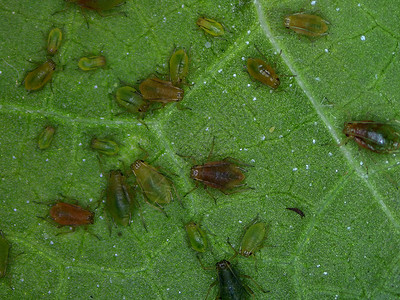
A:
347, 244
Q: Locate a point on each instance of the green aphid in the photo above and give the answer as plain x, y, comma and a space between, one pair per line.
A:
305, 24
210, 26
253, 239
197, 237
104, 146
91, 63
37, 78
46, 137
178, 67
120, 198
156, 188
128, 98
54, 41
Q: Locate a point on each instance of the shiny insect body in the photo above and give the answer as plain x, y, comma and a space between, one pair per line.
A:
305, 24
90, 63
178, 67
120, 201
72, 215
54, 41
197, 237
66, 214
97, 5
4, 253
375, 136
230, 285
253, 239
261, 71
105, 146
157, 90
128, 98
223, 175
37, 78
210, 26
156, 188
46, 137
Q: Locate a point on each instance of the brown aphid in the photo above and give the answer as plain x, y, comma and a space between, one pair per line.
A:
66, 214
223, 175
158, 90
97, 5
375, 136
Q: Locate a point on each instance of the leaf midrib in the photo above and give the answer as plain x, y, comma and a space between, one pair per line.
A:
318, 108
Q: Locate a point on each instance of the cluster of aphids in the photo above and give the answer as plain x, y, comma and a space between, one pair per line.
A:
153, 90
43, 73
225, 175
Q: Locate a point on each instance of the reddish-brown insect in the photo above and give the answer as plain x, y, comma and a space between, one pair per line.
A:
97, 5
157, 90
375, 136
66, 214
224, 175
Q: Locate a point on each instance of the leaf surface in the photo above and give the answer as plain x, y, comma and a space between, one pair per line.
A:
347, 244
